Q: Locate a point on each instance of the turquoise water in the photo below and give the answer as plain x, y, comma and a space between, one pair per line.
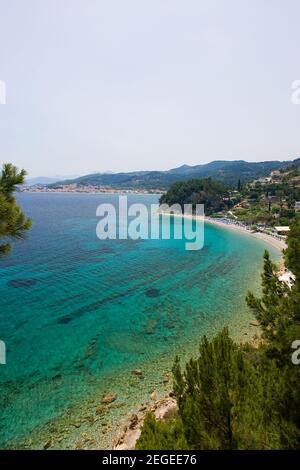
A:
78, 314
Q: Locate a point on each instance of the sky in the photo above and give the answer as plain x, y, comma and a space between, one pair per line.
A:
97, 85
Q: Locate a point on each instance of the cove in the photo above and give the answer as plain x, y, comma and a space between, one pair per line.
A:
89, 320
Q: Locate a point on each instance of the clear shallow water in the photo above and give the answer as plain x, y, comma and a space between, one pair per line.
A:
78, 314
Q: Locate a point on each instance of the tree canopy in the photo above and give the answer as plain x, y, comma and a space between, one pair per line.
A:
198, 191
235, 396
13, 222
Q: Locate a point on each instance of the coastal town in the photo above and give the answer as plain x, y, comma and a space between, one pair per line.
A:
87, 188
265, 205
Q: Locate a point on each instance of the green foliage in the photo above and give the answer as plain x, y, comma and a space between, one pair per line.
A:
208, 392
227, 399
268, 309
206, 191
13, 222
161, 435
292, 253
240, 397
278, 310
227, 172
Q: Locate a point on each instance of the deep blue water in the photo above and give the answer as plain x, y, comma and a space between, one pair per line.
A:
76, 311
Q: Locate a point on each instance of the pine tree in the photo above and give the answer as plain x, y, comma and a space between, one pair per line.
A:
13, 222
207, 392
292, 253
270, 310
161, 435
225, 401
239, 397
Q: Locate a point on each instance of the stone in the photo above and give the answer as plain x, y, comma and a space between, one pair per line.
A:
91, 419
47, 444
138, 373
166, 378
100, 410
133, 421
152, 292
109, 398
57, 377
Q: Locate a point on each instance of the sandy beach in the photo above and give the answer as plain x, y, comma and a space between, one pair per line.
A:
277, 243
166, 406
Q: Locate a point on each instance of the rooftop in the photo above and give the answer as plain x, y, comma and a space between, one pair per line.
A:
284, 228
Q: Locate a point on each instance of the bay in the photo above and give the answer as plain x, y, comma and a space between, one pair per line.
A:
78, 314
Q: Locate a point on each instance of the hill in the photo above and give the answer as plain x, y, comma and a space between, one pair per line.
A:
228, 172
46, 180
198, 191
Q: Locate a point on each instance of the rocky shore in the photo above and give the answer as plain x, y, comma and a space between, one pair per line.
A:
163, 408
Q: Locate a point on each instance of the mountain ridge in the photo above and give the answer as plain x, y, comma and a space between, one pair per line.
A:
228, 172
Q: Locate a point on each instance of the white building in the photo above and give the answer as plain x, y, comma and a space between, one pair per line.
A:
282, 230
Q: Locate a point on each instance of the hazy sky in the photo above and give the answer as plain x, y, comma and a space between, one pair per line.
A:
97, 85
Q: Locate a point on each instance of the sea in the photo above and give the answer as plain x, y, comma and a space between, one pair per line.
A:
79, 315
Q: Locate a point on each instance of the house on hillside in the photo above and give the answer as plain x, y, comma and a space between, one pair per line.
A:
276, 175
265, 180
283, 230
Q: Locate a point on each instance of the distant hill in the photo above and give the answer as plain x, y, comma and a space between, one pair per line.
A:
41, 180
46, 180
228, 172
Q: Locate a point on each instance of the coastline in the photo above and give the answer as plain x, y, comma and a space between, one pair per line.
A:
275, 242
90, 424
227, 223
166, 407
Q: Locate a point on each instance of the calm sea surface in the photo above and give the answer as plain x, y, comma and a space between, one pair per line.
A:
78, 315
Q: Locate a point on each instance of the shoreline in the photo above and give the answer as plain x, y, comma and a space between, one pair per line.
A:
272, 240
275, 242
95, 428
112, 191
166, 407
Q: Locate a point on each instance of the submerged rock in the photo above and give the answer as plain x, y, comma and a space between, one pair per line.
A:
21, 283
150, 328
166, 378
109, 398
57, 377
152, 292
133, 421
47, 444
76, 424
138, 373
100, 410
